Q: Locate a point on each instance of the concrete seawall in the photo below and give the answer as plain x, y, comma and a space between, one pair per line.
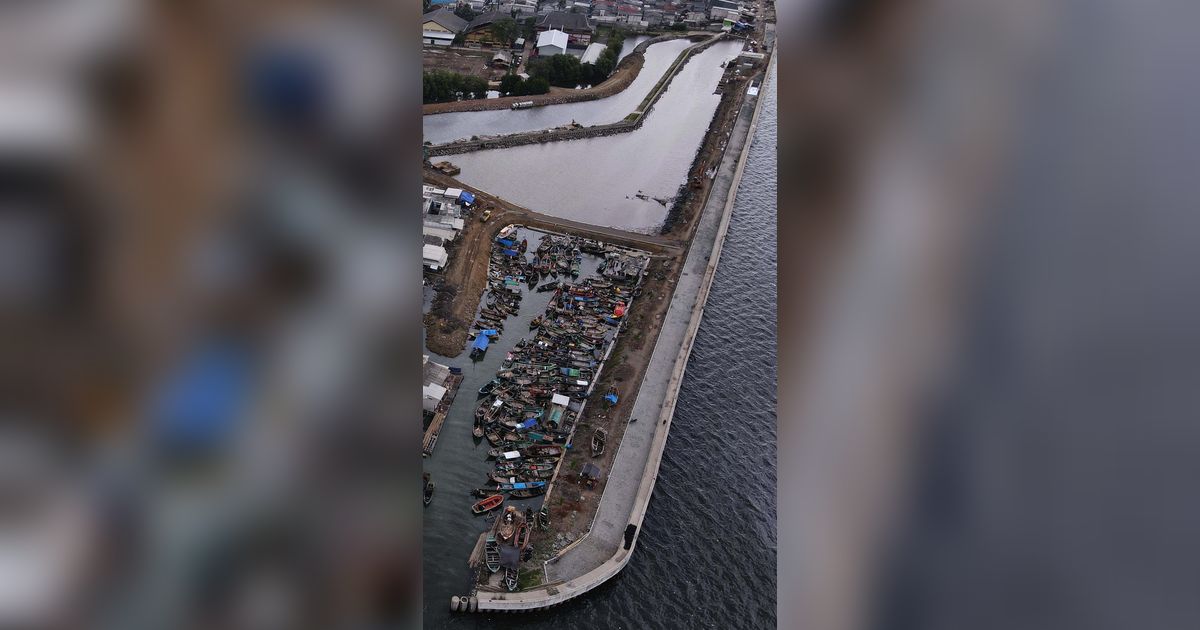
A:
630, 123
609, 544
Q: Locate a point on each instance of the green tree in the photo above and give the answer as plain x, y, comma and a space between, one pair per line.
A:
505, 30
537, 85
474, 87
560, 70
440, 86
511, 84
465, 12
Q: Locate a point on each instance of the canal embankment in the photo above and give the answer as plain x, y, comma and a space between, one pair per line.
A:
629, 123
623, 75
607, 547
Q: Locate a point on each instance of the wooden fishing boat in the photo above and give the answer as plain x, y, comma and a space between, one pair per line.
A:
502, 478
543, 450
599, 436
528, 493
477, 432
510, 578
523, 534
488, 504
506, 529
428, 494
522, 485
537, 466
493, 438
491, 553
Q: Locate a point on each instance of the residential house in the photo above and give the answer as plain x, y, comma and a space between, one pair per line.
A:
439, 28
577, 26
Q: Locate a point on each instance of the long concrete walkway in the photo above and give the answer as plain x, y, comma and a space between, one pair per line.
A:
604, 551
652, 406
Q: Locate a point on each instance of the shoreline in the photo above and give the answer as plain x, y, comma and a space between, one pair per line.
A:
661, 396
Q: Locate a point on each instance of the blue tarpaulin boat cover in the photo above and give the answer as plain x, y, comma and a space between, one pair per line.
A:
510, 252
489, 332
612, 398
528, 424
507, 242
199, 406
466, 198
481, 342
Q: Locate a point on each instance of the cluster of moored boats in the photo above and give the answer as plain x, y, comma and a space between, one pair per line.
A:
507, 544
528, 411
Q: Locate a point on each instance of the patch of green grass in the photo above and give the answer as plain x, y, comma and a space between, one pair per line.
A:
529, 578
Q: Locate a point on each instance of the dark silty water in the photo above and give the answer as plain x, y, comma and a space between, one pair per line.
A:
599, 180
706, 554
441, 128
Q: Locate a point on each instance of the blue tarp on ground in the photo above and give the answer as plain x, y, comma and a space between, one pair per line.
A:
466, 198
612, 398
480, 343
199, 406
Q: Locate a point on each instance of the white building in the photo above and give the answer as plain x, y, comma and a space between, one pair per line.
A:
431, 396
725, 9
434, 256
551, 43
592, 54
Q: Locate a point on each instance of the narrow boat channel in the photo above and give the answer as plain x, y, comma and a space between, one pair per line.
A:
624, 181
439, 128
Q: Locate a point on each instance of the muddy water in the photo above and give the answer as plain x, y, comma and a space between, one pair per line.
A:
612, 181
631, 43
439, 128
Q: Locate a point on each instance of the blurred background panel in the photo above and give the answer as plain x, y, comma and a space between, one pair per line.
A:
209, 300
987, 345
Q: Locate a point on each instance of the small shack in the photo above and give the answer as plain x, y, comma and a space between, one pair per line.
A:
434, 256
589, 475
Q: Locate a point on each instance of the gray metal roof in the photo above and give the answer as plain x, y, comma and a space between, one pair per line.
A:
446, 19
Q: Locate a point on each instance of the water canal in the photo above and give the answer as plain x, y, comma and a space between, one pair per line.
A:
623, 181
441, 128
